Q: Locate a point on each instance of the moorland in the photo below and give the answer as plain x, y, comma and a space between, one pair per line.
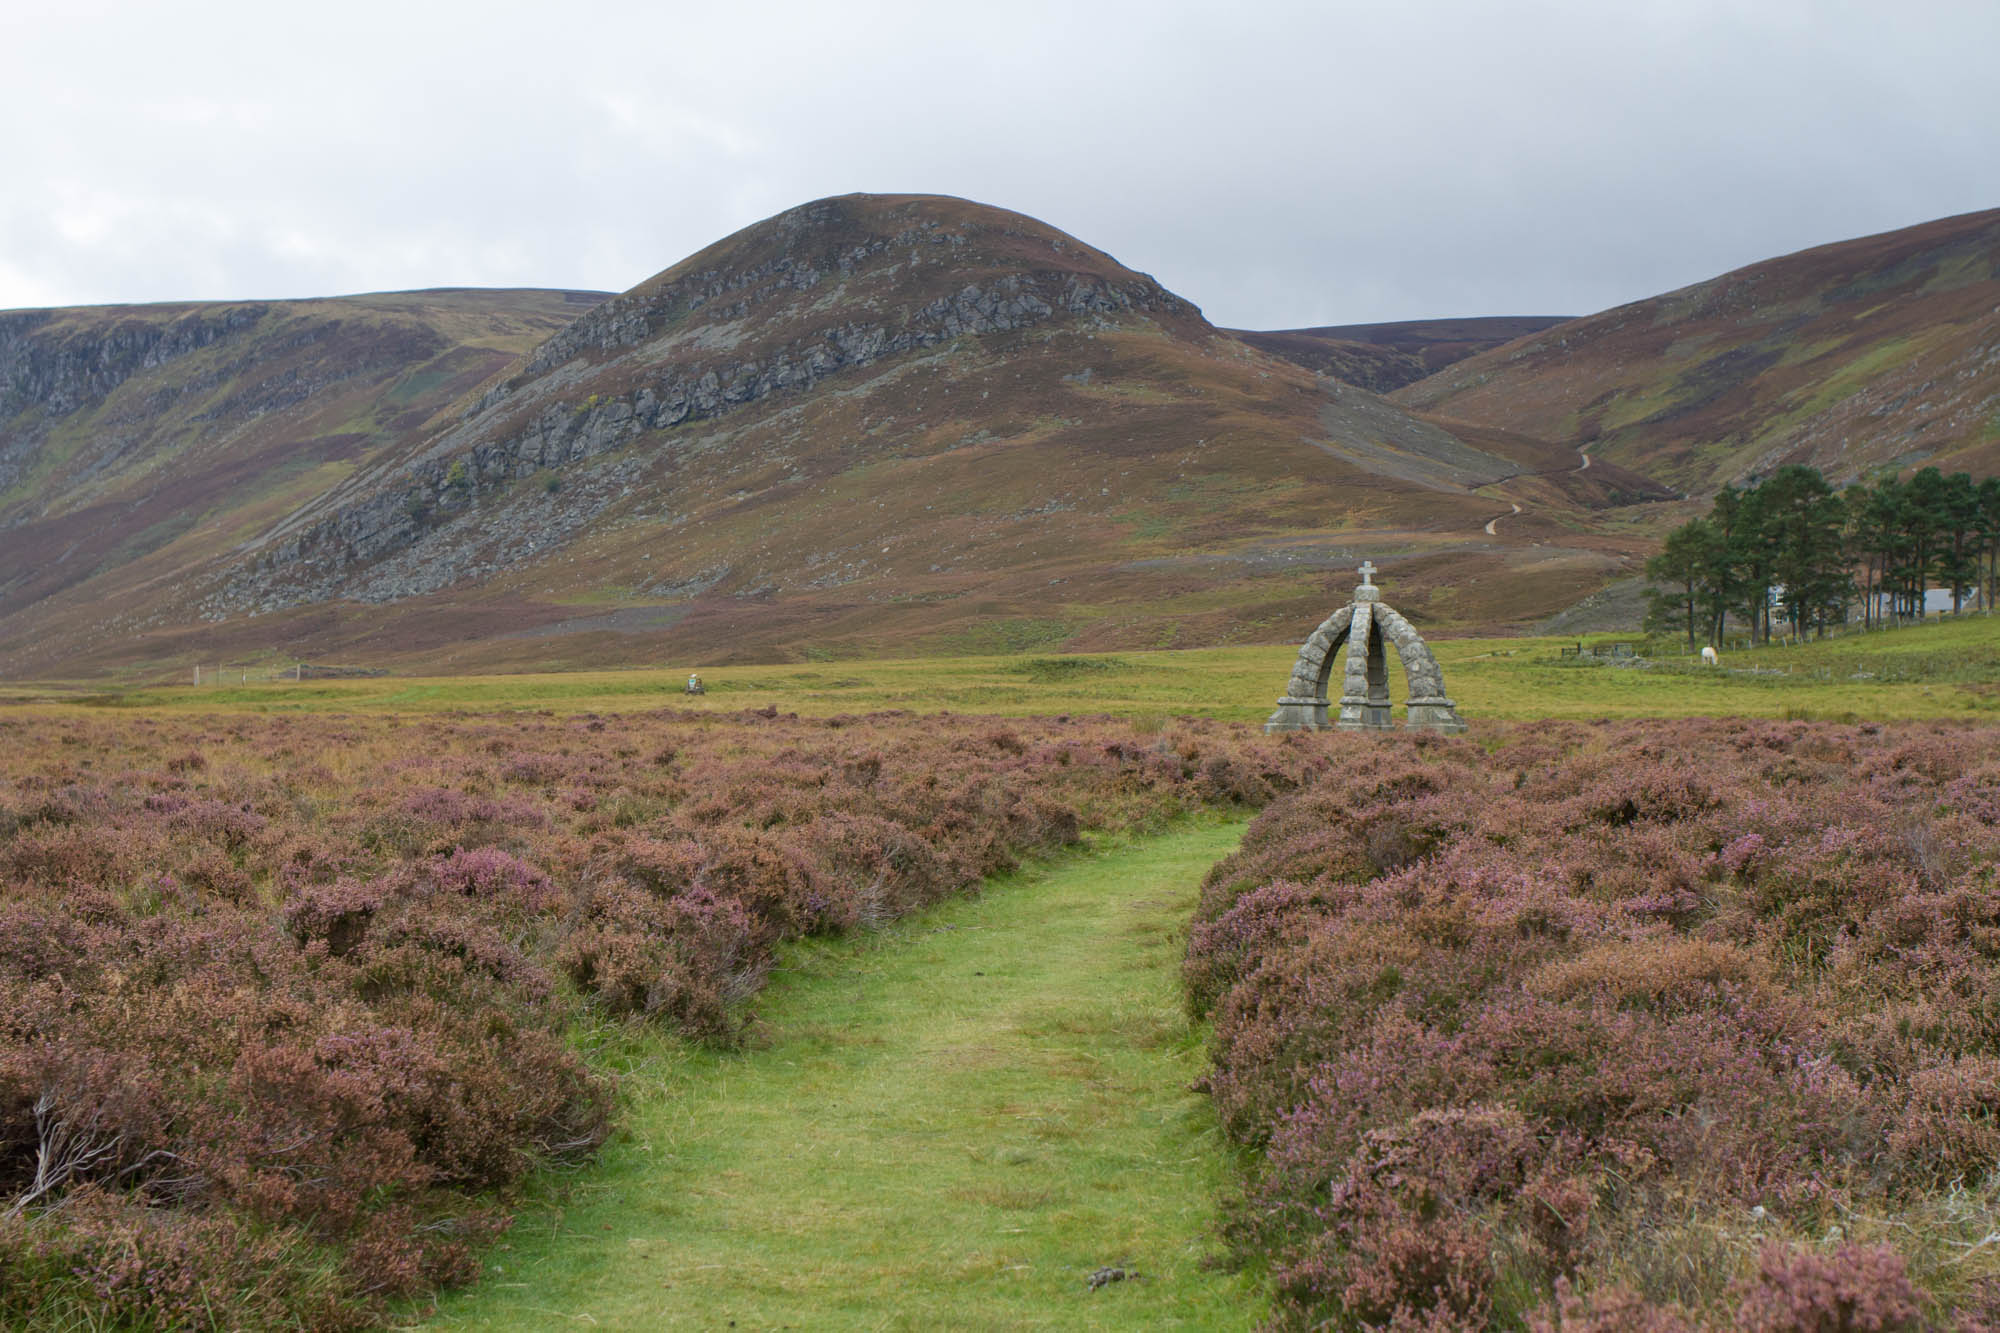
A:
321, 1007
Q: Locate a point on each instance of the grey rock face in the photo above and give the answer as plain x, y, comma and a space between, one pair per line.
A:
52, 370
64, 370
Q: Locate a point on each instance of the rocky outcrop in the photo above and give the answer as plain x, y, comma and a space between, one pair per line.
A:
52, 370
816, 245
59, 370
562, 431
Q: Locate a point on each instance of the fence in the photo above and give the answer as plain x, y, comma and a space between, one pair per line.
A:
1661, 648
264, 674
1850, 628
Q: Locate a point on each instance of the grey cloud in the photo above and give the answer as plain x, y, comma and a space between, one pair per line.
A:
1279, 165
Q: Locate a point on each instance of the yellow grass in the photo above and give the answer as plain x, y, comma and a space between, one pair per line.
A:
1949, 669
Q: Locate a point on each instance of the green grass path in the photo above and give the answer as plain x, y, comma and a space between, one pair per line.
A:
950, 1123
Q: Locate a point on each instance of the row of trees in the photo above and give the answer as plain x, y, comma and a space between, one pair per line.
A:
1792, 550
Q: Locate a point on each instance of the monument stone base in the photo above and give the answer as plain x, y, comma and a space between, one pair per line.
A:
1365, 717
1439, 715
1299, 715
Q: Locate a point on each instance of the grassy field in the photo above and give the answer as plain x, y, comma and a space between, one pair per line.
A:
951, 1123
1944, 669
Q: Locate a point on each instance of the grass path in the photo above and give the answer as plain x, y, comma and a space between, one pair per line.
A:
950, 1123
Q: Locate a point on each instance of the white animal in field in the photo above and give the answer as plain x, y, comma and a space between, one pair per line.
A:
1708, 657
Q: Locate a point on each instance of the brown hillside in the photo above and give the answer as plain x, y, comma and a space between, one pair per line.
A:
141, 441
870, 424
1882, 352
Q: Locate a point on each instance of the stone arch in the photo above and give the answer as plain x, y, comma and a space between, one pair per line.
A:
1421, 672
1366, 628
1316, 656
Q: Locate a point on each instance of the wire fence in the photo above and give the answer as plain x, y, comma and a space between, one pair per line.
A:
1656, 648
264, 673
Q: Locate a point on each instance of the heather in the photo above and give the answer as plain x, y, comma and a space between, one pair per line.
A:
1660, 1025
286, 1004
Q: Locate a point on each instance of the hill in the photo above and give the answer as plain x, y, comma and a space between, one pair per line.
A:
138, 443
1882, 352
1385, 357
870, 424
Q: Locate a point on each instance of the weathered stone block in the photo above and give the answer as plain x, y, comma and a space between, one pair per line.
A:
1442, 717
1298, 715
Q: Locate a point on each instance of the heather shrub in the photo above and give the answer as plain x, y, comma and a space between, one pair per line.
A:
1223, 952
1607, 1309
229, 826
334, 917
497, 878
283, 1000
59, 853
688, 959
1856, 1289
109, 1260
1699, 969
865, 870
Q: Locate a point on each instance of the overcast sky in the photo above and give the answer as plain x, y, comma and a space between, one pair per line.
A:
1277, 164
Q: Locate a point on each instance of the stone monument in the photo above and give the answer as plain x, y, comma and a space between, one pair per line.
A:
1366, 625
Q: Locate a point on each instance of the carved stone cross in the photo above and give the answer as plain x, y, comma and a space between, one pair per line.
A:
1367, 569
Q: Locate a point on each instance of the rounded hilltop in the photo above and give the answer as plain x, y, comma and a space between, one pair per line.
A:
847, 230
810, 274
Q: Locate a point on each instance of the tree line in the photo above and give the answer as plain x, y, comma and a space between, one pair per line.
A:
1791, 550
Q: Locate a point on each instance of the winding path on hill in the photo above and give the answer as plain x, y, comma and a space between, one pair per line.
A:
952, 1123
1493, 524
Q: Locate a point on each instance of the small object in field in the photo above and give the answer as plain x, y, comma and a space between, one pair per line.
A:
1368, 627
1708, 657
694, 685
1104, 1277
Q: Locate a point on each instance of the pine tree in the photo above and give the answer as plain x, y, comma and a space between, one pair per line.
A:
1720, 576
1989, 536
1801, 520
1922, 518
1684, 562
1792, 541
1958, 558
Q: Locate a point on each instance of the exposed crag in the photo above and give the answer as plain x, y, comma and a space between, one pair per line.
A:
141, 441
57, 366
